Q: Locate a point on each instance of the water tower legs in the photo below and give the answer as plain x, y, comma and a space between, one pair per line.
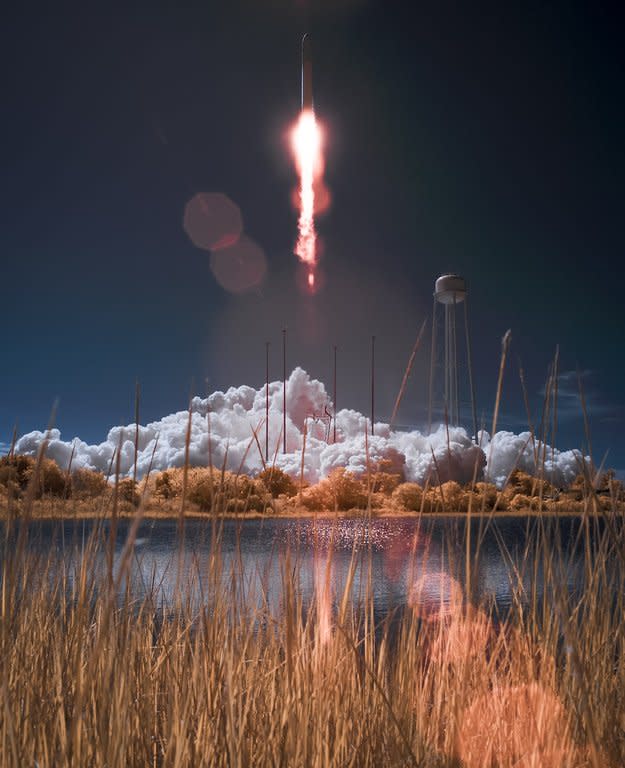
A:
470, 367
450, 290
432, 364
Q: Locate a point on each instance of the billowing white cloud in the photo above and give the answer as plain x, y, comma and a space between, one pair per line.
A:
231, 418
507, 451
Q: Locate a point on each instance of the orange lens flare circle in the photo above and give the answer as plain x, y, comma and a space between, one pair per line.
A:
307, 146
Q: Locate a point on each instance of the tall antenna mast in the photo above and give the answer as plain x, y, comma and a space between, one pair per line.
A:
284, 390
372, 382
334, 395
267, 402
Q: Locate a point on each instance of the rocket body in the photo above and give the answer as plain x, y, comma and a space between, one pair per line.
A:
307, 98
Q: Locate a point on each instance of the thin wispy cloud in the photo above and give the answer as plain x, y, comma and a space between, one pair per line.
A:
571, 385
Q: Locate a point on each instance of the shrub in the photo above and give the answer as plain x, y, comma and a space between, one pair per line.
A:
408, 496
456, 499
54, 481
346, 489
486, 494
249, 493
521, 482
579, 488
277, 482
616, 488
340, 490
127, 491
566, 506
252, 503
16, 470
163, 486
608, 483
433, 501
227, 492
50, 480
8, 475
522, 502
88, 484
202, 494
384, 482
207, 488
318, 497
384, 479
378, 500
10, 490
168, 484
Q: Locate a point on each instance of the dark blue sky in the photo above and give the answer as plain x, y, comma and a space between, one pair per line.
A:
485, 138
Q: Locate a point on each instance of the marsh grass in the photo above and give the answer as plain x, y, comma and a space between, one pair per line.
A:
94, 674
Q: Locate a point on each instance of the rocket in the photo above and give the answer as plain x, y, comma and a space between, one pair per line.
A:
307, 98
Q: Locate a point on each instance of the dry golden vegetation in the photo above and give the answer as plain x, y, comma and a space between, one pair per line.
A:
94, 675
85, 493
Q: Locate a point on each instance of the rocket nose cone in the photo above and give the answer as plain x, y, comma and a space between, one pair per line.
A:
307, 66
306, 48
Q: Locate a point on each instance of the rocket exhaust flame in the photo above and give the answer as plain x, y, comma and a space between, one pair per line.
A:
308, 160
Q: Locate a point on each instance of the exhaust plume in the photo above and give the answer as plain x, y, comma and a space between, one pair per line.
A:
307, 152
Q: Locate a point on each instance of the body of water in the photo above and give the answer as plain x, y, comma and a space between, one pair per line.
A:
398, 561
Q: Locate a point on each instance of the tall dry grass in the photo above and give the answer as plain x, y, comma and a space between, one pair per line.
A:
95, 675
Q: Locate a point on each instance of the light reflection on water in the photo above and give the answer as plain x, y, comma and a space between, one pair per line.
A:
398, 561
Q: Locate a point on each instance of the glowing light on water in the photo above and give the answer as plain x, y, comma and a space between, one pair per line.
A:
322, 575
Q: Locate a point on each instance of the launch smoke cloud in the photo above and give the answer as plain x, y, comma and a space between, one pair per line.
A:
446, 454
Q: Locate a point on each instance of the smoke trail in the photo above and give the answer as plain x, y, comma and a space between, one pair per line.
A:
308, 161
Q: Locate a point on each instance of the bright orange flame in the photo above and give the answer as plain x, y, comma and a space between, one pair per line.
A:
307, 146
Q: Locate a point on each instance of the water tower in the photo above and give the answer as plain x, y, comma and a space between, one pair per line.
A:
450, 291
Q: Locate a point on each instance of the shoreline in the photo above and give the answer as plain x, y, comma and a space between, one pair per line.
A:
305, 514
203, 494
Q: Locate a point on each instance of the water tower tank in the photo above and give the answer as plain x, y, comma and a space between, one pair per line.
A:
450, 289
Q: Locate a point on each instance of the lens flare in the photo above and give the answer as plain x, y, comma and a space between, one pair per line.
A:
524, 726
435, 596
307, 151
